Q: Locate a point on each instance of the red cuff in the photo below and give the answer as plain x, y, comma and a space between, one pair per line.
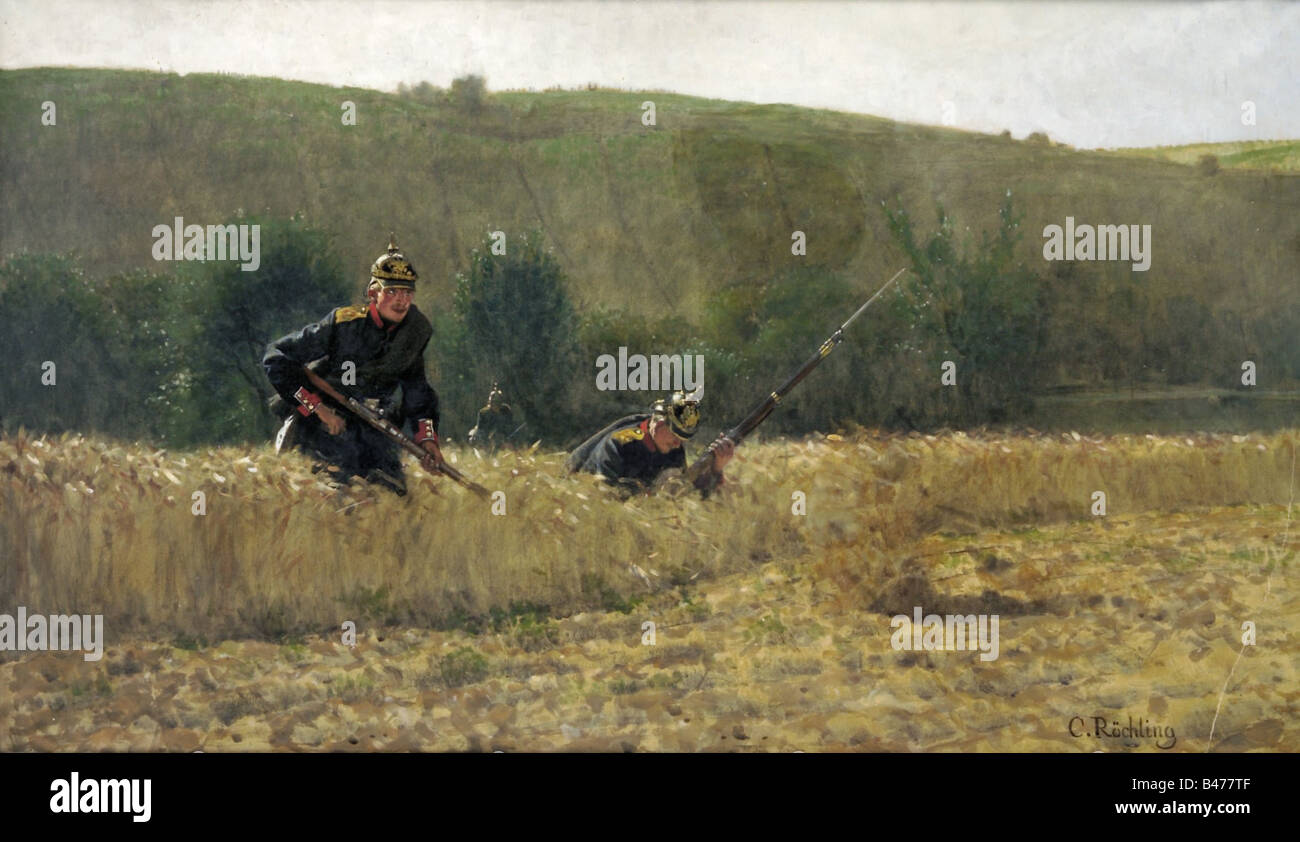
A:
307, 401
424, 431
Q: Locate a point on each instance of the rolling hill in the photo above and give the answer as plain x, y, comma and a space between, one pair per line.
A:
648, 219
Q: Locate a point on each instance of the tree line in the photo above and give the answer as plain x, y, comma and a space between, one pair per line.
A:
174, 357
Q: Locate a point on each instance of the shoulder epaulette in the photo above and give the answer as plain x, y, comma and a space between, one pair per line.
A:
631, 434
347, 314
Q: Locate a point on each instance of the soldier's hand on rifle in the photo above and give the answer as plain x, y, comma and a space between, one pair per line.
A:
332, 420
723, 449
432, 456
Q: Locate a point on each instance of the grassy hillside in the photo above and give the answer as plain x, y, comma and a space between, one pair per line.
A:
648, 219
1277, 155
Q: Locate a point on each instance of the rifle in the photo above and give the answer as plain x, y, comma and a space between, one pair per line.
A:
387, 427
764, 407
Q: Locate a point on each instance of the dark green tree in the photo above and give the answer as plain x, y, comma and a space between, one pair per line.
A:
236, 314
517, 326
53, 328
977, 306
143, 358
86, 355
469, 93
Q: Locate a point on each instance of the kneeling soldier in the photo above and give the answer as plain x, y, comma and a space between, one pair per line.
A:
634, 450
494, 422
370, 352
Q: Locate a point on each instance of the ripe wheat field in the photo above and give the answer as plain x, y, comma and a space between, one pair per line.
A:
525, 630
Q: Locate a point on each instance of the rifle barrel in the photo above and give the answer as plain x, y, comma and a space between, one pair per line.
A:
387, 427
764, 408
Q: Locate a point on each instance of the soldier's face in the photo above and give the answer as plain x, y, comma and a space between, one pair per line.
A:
393, 302
663, 436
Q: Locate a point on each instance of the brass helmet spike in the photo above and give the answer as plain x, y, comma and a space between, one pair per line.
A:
392, 269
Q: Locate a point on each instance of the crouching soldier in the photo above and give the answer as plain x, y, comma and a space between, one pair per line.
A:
495, 420
634, 450
372, 353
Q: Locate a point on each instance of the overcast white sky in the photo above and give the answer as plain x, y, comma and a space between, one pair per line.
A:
1090, 74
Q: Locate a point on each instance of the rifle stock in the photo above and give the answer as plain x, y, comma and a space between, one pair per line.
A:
764, 408
390, 430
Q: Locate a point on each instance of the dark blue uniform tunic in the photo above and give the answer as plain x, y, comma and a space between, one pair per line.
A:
385, 359
624, 454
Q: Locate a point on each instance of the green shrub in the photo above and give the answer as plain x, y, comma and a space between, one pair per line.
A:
464, 666
516, 326
469, 93
976, 306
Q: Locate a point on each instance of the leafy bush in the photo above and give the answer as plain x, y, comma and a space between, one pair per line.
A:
239, 313
422, 92
469, 93
976, 306
111, 342
143, 355
464, 666
604, 331
516, 326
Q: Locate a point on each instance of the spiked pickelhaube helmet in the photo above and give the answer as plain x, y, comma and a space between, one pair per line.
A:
681, 411
392, 269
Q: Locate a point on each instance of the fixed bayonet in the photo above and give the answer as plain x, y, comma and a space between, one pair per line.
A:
764, 407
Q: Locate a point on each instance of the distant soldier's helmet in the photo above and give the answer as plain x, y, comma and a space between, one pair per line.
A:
392, 269
681, 411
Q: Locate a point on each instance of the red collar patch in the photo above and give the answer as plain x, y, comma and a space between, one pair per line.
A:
379, 321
